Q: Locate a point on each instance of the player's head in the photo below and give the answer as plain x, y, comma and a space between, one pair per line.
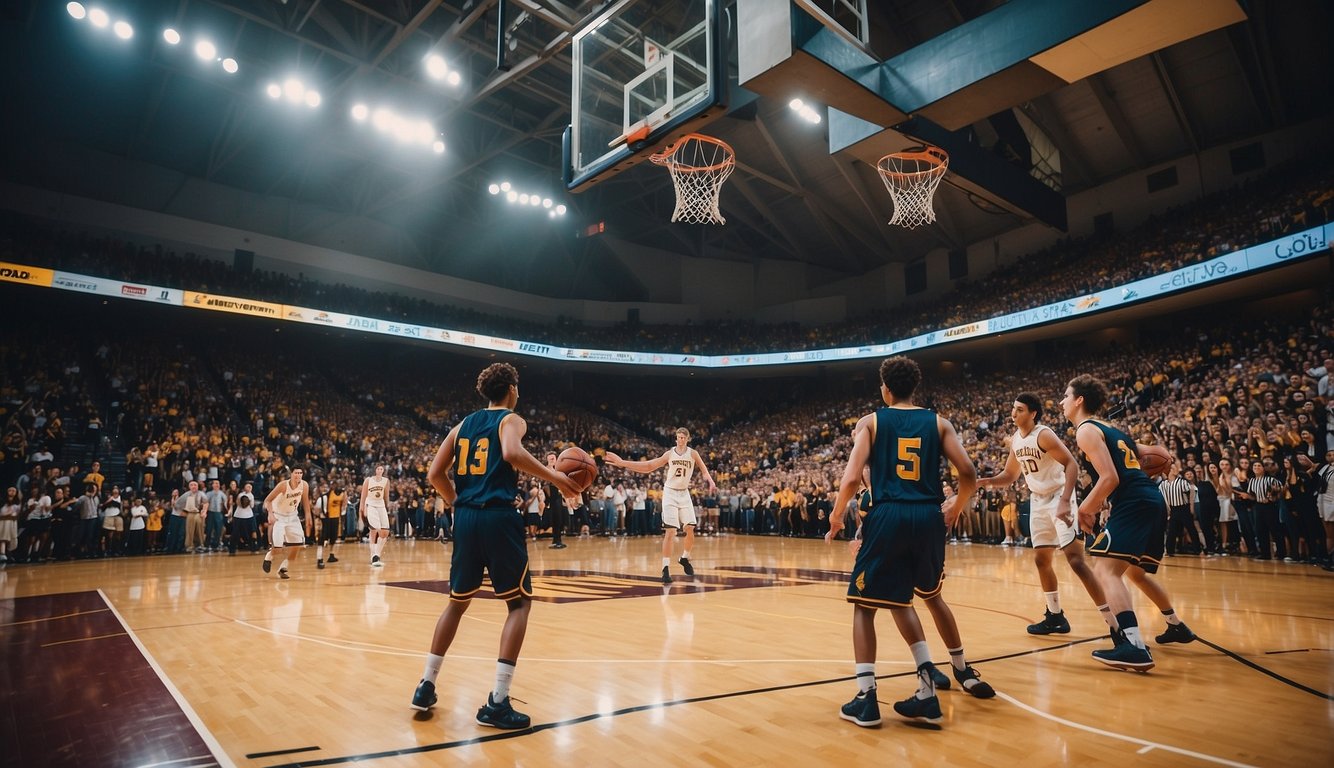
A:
1084, 394
682, 437
379, 470
497, 381
296, 474
899, 376
1027, 409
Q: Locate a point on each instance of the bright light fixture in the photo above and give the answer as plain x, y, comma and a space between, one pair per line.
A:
453, 78
560, 210
546, 202
98, 17
230, 66
796, 104
505, 186
274, 91
438, 147
383, 119
312, 99
436, 67
425, 133
206, 50
171, 36
76, 10
123, 30
294, 90
494, 189
359, 112
523, 198
511, 195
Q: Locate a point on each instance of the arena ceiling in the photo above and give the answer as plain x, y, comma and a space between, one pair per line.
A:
162, 108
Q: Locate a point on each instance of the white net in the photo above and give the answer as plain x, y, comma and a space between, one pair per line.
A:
699, 165
912, 178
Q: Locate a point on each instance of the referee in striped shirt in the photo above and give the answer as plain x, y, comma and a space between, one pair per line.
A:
1179, 493
1266, 489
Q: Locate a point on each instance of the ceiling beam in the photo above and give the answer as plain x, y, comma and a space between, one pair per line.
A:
789, 242
1117, 118
1183, 120
849, 173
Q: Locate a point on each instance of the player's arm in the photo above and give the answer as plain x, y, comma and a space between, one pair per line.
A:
699, 464
952, 447
1007, 476
268, 500
512, 430
1056, 448
852, 474
642, 467
438, 475
305, 502
1094, 446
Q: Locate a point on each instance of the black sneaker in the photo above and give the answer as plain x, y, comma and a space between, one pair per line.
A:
282, 573
499, 714
376, 562
863, 710
938, 678
1052, 623
978, 688
685, 563
921, 710
268, 566
666, 577
319, 564
332, 559
1126, 656
424, 697
1176, 633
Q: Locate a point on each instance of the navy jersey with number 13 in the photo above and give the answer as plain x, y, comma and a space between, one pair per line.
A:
905, 457
481, 475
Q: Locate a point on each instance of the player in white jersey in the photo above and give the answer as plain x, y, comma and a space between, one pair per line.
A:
678, 511
1050, 471
375, 512
285, 531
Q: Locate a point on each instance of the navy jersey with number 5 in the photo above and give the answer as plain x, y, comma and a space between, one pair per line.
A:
1133, 485
905, 456
481, 475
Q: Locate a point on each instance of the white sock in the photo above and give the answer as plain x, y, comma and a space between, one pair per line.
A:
433, 664
921, 655
319, 552
1132, 634
1106, 611
1171, 615
957, 660
504, 676
666, 561
865, 676
685, 555
268, 556
283, 565
1053, 601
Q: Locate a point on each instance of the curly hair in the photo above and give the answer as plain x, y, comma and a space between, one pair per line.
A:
494, 381
900, 376
1092, 390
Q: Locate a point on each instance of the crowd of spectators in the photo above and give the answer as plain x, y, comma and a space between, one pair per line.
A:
1283, 200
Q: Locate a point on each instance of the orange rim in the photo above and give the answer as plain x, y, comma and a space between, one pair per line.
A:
933, 156
665, 156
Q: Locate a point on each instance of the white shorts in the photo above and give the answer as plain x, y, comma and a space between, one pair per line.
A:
1326, 507
377, 517
9, 531
678, 510
1046, 530
1226, 512
286, 530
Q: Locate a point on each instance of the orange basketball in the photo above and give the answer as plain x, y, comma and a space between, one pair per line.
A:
578, 465
1154, 459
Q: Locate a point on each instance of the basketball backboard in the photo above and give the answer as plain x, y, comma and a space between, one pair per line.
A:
644, 74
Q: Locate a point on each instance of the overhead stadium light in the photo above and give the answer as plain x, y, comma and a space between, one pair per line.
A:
123, 30
274, 91
806, 111
206, 50
171, 36
532, 200
436, 66
294, 90
359, 112
494, 189
438, 147
230, 66
98, 17
76, 10
453, 78
312, 99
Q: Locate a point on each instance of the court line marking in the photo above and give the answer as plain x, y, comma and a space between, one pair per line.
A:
183, 762
1145, 743
53, 618
1239, 658
82, 639
277, 752
219, 754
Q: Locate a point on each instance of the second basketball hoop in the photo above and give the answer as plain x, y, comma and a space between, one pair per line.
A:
699, 165
911, 178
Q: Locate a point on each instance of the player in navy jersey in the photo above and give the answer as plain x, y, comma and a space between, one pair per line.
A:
1131, 544
903, 539
476, 470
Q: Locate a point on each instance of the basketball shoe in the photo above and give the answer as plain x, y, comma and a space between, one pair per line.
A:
499, 714
972, 683
685, 563
921, 710
938, 678
424, 697
666, 577
1176, 633
1052, 623
1126, 656
863, 710
268, 566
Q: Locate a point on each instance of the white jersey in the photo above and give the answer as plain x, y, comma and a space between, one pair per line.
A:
1043, 473
680, 468
377, 490
289, 499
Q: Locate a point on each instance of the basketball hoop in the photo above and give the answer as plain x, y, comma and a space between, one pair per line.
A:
911, 178
699, 165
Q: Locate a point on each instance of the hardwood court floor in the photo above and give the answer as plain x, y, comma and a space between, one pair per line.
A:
744, 665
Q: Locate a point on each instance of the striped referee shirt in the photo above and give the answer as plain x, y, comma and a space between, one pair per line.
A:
1176, 491
1265, 489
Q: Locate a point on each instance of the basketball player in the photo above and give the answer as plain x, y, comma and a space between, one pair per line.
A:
285, 532
477, 470
332, 530
903, 540
1051, 473
375, 512
678, 511
1131, 543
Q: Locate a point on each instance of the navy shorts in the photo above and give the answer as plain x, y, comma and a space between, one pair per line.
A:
902, 554
490, 541
1135, 533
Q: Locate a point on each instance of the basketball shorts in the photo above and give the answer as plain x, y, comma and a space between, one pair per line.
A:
902, 554
113, 523
1226, 513
678, 509
286, 530
1326, 507
491, 542
330, 530
1135, 533
377, 518
1046, 530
